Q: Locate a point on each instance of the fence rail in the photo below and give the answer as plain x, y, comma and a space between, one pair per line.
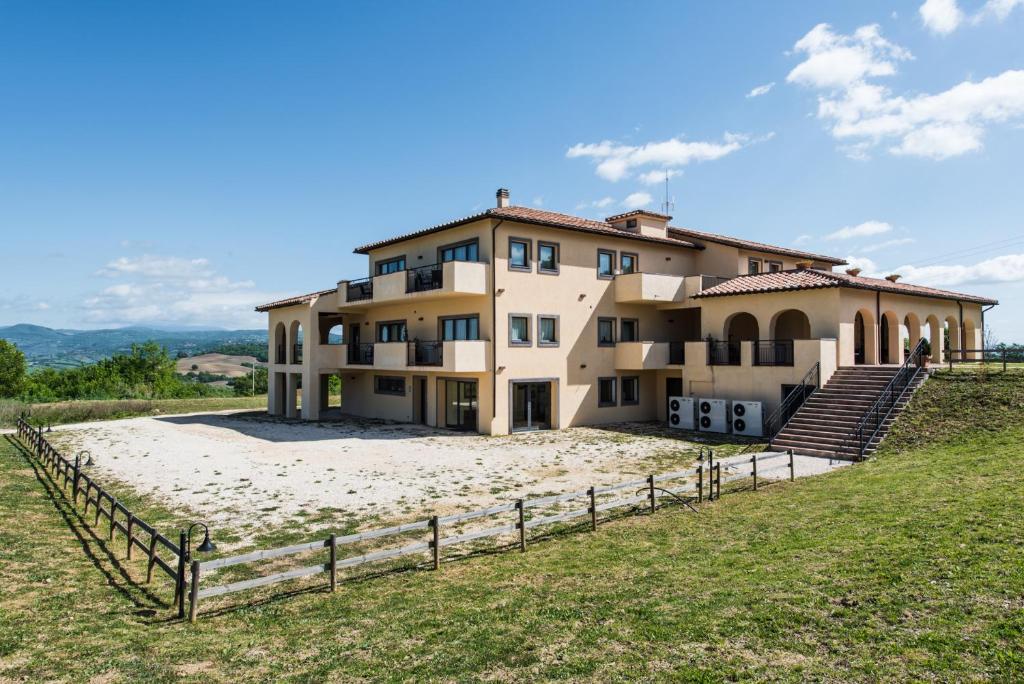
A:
1003, 356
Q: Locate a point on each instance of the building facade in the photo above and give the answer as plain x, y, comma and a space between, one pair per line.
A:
520, 319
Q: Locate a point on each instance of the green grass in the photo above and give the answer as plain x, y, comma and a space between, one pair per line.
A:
906, 567
62, 412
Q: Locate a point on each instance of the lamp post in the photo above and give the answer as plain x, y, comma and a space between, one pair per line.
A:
184, 558
206, 547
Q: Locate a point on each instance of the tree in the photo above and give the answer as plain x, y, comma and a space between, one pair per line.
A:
12, 369
243, 384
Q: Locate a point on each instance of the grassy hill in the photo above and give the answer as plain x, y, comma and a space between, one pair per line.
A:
907, 567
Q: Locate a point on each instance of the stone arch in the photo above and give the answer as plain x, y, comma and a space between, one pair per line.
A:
296, 339
330, 328
952, 335
791, 324
280, 343
890, 337
740, 327
865, 351
913, 325
934, 330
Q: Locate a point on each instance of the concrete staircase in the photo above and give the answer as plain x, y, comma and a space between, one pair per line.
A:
824, 422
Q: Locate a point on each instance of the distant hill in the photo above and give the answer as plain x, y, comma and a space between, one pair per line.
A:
67, 348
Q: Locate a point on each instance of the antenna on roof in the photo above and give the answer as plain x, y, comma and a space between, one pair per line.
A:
669, 204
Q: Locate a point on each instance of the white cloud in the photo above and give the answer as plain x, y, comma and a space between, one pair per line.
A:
888, 244
761, 90
538, 201
869, 267
42, 306
863, 114
656, 177
941, 16
616, 161
865, 229
998, 9
1002, 269
637, 200
602, 203
803, 239
157, 267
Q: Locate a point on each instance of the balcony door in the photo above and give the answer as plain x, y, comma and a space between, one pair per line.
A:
460, 404
531, 406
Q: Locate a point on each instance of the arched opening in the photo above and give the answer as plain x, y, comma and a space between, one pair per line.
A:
864, 338
791, 324
933, 332
951, 343
889, 339
741, 327
295, 336
330, 328
280, 343
913, 325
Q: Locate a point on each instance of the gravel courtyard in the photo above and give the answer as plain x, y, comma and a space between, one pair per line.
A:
270, 471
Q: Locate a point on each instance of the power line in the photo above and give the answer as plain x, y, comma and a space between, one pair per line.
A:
977, 250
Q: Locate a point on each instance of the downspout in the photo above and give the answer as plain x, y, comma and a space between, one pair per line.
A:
983, 310
878, 327
963, 330
494, 323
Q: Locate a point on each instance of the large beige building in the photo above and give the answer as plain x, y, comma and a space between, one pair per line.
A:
517, 319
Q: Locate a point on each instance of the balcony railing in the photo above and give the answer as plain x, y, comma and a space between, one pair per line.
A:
676, 353
426, 353
723, 353
359, 290
707, 281
423, 278
773, 353
296, 353
360, 354
281, 358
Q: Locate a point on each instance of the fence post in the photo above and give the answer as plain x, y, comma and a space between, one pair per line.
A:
711, 474
85, 510
99, 506
753, 460
334, 562
113, 510
1004, 360
650, 483
593, 509
179, 592
131, 540
792, 470
152, 557
521, 508
193, 597
718, 481
436, 543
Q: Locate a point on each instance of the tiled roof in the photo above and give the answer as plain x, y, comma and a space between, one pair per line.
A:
292, 301
756, 246
536, 216
810, 279
637, 212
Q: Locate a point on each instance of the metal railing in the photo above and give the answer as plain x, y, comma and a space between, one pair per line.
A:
868, 426
707, 281
773, 353
423, 278
359, 290
723, 353
1003, 355
807, 386
426, 353
361, 354
677, 353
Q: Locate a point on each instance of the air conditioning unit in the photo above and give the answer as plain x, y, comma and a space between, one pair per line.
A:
712, 415
747, 418
681, 413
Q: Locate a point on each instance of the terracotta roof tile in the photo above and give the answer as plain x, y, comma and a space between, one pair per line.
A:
756, 246
638, 212
292, 301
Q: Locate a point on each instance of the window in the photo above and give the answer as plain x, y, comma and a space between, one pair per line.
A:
630, 390
519, 254
630, 223
460, 328
774, 266
547, 331
389, 384
606, 332
627, 262
391, 265
606, 392
391, 331
630, 330
466, 251
519, 330
753, 266
605, 264
547, 257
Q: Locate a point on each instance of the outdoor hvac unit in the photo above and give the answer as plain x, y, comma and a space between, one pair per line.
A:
712, 415
681, 413
747, 419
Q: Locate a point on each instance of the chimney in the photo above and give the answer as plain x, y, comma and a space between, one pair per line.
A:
502, 196
893, 277
853, 272
802, 265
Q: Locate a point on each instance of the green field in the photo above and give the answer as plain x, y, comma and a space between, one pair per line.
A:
906, 567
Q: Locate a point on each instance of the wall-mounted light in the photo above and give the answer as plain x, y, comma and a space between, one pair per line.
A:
501, 368
583, 295
499, 291
668, 258
420, 318
583, 365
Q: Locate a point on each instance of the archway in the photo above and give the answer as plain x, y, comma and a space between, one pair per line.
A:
330, 328
280, 343
889, 338
913, 325
934, 334
952, 337
864, 347
295, 338
741, 327
791, 324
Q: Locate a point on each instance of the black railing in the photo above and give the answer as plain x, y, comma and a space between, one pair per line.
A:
861, 436
424, 278
280, 354
426, 353
774, 423
707, 281
359, 290
296, 353
723, 353
676, 353
361, 354
998, 355
773, 353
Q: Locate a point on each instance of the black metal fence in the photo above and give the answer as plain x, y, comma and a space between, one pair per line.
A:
359, 290
426, 353
424, 278
773, 353
361, 354
676, 353
723, 353
807, 386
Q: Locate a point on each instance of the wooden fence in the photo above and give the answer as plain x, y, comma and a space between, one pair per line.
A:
68, 475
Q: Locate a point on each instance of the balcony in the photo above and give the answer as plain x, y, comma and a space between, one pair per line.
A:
773, 352
723, 353
433, 281
661, 288
360, 354
426, 353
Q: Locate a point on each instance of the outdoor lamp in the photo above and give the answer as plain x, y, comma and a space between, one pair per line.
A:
207, 546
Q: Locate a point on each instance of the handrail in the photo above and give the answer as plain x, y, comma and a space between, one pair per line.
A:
422, 278
779, 416
887, 399
359, 290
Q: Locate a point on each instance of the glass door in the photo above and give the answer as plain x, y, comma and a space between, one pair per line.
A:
461, 404
531, 406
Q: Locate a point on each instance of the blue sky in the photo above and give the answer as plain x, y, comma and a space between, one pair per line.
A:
174, 162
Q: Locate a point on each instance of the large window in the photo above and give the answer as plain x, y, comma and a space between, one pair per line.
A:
389, 384
753, 266
391, 331
630, 390
391, 265
774, 266
628, 262
519, 330
547, 257
466, 251
606, 392
605, 263
630, 330
460, 328
606, 332
519, 254
547, 331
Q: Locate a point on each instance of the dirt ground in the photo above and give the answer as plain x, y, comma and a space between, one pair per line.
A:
219, 364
